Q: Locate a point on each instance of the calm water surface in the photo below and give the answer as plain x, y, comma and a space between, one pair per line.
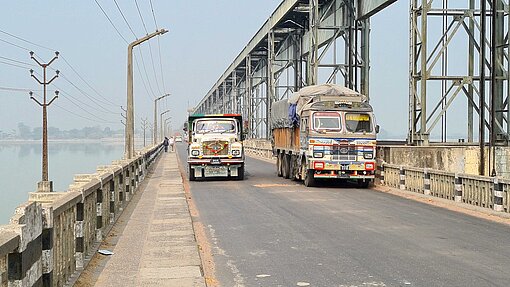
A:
20, 168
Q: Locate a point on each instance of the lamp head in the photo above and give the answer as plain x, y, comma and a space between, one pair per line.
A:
31, 71
31, 53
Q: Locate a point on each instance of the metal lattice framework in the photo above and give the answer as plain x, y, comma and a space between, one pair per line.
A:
304, 42
466, 65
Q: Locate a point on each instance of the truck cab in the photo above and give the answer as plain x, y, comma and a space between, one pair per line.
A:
215, 146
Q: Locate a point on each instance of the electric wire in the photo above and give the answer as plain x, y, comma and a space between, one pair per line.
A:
14, 89
141, 18
159, 48
68, 97
26, 41
14, 65
15, 45
19, 62
110, 20
88, 84
47, 48
146, 74
124, 17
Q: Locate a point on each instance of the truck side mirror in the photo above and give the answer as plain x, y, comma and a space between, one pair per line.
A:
377, 128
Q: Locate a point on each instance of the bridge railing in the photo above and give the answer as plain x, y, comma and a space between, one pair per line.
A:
258, 147
51, 237
482, 191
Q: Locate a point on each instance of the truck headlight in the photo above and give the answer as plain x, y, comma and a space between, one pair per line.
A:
236, 152
318, 154
368, 155
195, 152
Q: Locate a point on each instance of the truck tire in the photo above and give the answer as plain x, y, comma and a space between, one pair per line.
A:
279, 165
240, 173
191, 173
363, 183
309, 180
286, 166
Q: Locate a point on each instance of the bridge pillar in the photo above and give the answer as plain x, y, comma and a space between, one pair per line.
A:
498, 195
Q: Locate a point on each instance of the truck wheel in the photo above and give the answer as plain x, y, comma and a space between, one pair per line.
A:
363, 183
191, 173
286, 166
309, 180
279, 165
240, 173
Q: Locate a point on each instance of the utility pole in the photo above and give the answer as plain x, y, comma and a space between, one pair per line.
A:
155, 138
130, 123
144, 127
161, 121
166, 127
44, 185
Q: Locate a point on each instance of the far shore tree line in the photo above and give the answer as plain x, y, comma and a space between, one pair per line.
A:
25, 132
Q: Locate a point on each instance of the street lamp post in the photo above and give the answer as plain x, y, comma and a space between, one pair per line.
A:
130, 121
155, 138
161, 121
166, 127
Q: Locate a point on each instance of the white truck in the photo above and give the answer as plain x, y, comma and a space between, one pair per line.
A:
215, 146
325, 132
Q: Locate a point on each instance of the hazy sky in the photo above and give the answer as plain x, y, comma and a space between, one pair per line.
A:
204, 38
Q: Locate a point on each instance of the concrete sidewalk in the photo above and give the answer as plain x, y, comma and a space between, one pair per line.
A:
157, 245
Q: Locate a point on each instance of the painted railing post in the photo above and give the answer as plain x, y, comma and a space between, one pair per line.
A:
47, 247
112, 199
498, 195
458, 188
426, 182
381, 174
99, 214
402, 178
78, 231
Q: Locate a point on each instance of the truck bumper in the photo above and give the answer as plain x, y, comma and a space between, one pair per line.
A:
224, 169
333, 174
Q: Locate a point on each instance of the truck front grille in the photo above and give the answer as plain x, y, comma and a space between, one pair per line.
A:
215, 148
343, 152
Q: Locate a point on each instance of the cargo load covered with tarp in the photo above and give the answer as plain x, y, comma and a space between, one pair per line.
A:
285, 113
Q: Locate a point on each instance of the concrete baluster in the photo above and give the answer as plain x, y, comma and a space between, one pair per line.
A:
112, 200
78, 231
498, 195
402, 178
458, 188
426, 182
99, 214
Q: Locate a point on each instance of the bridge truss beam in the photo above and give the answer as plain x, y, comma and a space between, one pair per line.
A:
462, 70
304, 42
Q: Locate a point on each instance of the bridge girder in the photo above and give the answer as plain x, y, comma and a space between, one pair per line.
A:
303, 42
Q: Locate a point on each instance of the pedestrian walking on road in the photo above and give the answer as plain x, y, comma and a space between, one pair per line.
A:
165, 143
171, 141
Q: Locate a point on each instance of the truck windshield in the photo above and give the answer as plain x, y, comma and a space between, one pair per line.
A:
358, 123
326, 121
215, 126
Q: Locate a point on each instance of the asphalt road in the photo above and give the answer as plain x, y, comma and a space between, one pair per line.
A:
268, 231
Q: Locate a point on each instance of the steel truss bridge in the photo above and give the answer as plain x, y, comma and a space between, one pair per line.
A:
458, 53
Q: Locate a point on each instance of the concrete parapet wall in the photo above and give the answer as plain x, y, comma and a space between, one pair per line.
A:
50, 237
456, 159
258, 147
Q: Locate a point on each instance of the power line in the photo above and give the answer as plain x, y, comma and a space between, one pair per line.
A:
141, 77
15, 45
145, 70
14, 65
110, 20
19, 62
153, 15
140, 14
14, 89
124, 17
92, 99
26, 41
87, 83
159, 48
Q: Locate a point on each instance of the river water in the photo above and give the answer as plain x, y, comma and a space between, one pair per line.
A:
20, 167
